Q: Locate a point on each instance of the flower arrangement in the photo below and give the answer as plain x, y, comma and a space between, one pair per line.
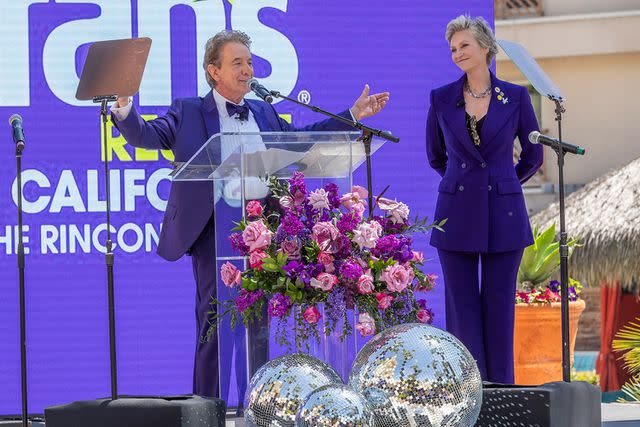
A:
548, 294
539, 262
317, 247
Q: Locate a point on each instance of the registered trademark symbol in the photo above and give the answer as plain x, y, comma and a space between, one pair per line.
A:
304, 96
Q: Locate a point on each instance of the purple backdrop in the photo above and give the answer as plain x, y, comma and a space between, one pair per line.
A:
327, 50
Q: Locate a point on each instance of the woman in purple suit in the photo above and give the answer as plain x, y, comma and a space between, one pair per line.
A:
471, 128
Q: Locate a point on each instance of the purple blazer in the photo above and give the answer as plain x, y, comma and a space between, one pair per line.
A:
188, 124
480, 193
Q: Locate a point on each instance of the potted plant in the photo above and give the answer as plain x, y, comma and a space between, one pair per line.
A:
538, 322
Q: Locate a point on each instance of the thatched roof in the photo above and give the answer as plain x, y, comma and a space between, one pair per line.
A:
605, 214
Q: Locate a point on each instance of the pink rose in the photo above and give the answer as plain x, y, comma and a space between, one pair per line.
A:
366, 235
327, 261
429, 283
365, 283
319, 199
255, 259
398, 211
397, 277
311, 315
324, 281
286, 202
231, 276
418, 256
366, 325
257, 235
327, 236
424, 316
254, 208
291, 247
384, 300
358, 195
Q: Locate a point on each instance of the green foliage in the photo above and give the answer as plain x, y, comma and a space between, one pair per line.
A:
628, 341
590, 377
542, 259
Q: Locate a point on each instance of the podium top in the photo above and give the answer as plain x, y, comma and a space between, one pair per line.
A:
262, 154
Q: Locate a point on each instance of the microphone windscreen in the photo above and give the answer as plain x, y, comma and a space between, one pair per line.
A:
15, 117
533, 137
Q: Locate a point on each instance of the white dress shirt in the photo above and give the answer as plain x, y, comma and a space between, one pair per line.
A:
255, 188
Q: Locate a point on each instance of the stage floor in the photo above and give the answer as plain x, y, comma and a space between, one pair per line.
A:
613, 415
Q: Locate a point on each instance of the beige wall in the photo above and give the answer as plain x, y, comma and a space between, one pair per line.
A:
567, 7
603, 111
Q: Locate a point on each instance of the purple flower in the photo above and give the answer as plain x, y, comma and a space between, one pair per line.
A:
279, 304
573, 295
247, 298
291, 247
280, 235
334, 198
348, 222
291, 224
402, 304
421, 303
335, 306
386, 245
237, 243
298, 188
293, 269
350, 270
554, 285
345, 248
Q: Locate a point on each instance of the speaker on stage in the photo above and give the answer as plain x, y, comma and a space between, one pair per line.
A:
556, 404
177, 411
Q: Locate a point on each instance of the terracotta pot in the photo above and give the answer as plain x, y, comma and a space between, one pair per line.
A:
538, 341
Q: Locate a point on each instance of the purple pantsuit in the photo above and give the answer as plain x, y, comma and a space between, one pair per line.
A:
188, 219
480, 195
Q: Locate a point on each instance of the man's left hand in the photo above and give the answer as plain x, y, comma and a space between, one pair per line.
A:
368, 105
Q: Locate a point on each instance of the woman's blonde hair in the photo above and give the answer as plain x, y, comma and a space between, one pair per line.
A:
480, 30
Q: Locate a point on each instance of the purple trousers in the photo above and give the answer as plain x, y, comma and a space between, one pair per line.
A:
205, 366
480, 307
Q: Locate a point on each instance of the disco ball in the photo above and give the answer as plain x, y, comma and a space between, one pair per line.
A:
418, 375
278, 389
335, 405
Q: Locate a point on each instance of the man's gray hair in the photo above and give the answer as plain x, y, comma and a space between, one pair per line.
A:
213, 49
480, 30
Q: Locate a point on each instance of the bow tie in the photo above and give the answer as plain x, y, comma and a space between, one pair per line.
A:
241, 110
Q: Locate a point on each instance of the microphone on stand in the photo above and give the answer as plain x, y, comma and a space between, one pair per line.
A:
18, 133
260, 90
537, 138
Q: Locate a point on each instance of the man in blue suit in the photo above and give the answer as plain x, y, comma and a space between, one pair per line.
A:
188, 221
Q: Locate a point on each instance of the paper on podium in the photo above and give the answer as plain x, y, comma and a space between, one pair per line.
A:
332, 160
260, 163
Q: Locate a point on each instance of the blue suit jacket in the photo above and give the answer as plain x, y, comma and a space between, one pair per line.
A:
480, 193
188, 124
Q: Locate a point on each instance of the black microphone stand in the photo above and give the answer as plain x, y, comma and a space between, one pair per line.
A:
367, 136
563, 248
108, 257
23, 327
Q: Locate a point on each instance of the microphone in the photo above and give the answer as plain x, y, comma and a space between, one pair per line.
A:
18, 134
260, 90
460, 103
537, 138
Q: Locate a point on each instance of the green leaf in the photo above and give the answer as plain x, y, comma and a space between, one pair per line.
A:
273, 268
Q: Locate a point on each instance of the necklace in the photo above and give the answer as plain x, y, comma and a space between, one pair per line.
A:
481, 95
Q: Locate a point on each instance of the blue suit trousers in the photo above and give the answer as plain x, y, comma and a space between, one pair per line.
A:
480, 307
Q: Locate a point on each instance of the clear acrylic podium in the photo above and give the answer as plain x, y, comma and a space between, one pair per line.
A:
238, 164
